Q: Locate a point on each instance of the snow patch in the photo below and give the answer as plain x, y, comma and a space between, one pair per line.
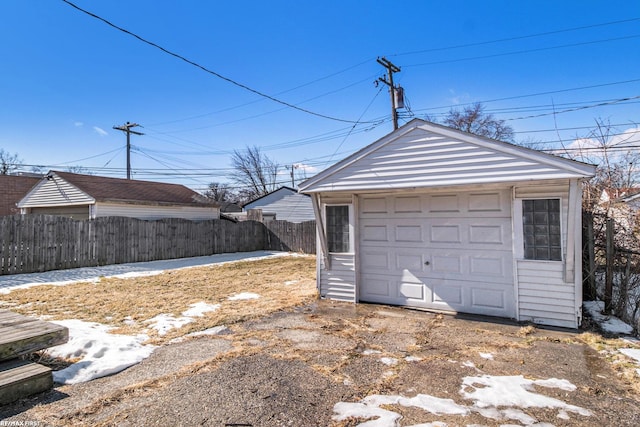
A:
389, 361
370, 352
496, 398
100, 352
199, 309
163, 323
610, 324
243, 296
413, 358
487, 356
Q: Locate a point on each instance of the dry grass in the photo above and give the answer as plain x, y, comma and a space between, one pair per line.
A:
126, 304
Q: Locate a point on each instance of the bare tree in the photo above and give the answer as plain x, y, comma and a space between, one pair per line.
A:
474, 120
220, 192
255, 172
617, 165
8, 162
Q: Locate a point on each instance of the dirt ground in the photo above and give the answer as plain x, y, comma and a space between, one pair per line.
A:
290, 369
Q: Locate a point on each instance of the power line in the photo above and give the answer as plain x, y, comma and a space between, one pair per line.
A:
518, 52
205, 69
515, 38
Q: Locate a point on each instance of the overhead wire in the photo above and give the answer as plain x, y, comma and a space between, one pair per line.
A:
205, 69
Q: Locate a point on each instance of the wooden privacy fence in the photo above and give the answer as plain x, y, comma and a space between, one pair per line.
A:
34, 243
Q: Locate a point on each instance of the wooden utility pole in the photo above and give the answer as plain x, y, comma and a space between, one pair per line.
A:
608, 281
127, 129
392, 90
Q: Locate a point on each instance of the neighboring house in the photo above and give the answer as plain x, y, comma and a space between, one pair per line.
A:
435, 218
14, 188
89, 196
285, 203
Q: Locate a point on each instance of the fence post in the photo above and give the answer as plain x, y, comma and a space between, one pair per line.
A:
608, 284
589, 291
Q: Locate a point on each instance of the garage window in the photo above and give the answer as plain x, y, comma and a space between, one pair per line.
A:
338, 228
542, 236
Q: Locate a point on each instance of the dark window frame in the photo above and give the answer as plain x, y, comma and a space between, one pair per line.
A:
338, 228
542, 229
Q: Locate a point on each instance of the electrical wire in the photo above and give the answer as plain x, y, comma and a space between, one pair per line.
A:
519, 52
205, 69
515, 38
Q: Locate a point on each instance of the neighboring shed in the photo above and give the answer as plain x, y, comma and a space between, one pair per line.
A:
14, 188
286, 204
89, 196
435, 218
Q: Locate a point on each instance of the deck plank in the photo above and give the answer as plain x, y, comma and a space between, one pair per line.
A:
22, 335
21, 378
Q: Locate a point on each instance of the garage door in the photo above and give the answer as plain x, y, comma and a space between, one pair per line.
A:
449, 251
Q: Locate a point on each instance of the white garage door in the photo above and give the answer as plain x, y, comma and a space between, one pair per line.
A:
440, 251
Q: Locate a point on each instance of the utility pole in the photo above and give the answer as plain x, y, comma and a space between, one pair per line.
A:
392, 90
127, 129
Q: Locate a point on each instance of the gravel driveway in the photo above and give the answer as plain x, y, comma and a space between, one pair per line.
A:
294, 369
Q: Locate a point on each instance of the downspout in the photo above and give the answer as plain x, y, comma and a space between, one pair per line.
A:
322, 236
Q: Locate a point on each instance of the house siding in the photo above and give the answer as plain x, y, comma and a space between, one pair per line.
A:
292, 208
152, 212
55, 192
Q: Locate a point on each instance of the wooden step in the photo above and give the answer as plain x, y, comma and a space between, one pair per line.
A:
21, 378
22, 335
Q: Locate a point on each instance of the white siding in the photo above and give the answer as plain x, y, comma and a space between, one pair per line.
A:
151, 212
422, 157
55, 192
292, 208
339, 283
543, 295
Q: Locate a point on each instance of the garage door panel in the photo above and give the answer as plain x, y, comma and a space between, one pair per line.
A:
376, 260
444, 251
448, 294
483, 297
408, 233
374, 233
409, 261
413, 291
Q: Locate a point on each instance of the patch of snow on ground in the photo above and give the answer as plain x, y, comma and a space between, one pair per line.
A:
131, 270
100, 352
243, 296
609, 324
413, 358
370, 352
487, 356
389, 361
497, 398
199, 309
514, 391
633, 353
163, 323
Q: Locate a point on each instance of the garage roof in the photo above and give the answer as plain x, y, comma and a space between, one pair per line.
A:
421, 154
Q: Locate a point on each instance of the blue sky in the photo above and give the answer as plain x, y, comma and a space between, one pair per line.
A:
68, 78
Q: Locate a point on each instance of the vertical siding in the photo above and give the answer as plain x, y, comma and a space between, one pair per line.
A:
339, 283
543, 295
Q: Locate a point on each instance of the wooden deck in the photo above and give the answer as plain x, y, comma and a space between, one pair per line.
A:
20, 335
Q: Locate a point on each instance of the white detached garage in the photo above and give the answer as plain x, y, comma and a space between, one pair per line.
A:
431, 217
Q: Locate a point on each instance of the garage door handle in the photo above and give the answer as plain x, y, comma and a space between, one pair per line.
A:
426, 263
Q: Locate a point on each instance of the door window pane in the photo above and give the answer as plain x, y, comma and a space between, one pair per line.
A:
338, 228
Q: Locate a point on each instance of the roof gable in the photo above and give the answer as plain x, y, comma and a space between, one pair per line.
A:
421, 154
271, 197
70, 188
